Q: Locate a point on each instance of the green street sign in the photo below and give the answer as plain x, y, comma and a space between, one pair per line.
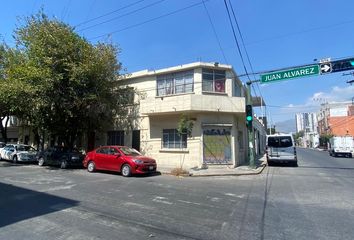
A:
291, 73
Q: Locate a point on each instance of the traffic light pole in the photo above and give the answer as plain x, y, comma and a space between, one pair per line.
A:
250, 129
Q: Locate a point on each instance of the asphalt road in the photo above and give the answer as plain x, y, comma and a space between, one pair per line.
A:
312, 201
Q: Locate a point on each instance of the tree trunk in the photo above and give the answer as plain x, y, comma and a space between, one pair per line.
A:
3, 128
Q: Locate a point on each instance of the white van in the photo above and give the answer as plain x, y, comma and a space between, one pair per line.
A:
281, 148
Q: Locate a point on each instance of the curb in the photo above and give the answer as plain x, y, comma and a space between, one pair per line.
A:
232, 174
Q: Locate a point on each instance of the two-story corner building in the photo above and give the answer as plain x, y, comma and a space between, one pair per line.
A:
208, 94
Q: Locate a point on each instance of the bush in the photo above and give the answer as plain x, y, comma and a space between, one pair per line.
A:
179, 172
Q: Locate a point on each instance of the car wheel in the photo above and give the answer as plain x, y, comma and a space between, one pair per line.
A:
91, 167
126, 170
41, 161
63, 164
14, 159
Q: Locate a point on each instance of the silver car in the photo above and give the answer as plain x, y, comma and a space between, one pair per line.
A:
19, 153
2, 145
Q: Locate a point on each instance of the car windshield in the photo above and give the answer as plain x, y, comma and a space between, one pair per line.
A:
130, 151
25, 148
281, 141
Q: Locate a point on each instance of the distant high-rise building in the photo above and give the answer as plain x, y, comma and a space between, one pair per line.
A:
306, 122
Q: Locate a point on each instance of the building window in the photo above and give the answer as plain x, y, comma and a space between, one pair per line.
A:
171, 139
115, 138
213, 80
175, 83
237, 91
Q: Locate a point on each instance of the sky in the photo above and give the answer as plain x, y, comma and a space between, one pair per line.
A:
155, 34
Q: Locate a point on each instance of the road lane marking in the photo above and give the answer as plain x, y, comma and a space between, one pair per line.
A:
235, 195
194, 203
162, 200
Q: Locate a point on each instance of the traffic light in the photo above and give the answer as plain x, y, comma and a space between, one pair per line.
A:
343, 65
249, 115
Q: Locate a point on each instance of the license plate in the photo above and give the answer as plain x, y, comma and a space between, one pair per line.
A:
151, 167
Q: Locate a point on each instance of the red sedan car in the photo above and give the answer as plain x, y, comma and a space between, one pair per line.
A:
122, 159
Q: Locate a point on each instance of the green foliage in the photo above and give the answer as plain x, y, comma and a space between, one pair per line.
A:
70, 84
299, 134
185, 125
324, 139
298, 137
15, 94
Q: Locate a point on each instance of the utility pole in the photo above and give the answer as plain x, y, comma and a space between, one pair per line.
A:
249, 119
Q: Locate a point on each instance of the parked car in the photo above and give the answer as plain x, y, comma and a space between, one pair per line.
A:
2, 145
60, 156
19, 153
122, 159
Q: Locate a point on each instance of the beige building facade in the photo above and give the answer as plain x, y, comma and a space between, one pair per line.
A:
209, 95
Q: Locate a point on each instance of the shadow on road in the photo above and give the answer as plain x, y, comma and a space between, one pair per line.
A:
11, 164
324, 167
284, 164
134, 175
18, 204
70, 168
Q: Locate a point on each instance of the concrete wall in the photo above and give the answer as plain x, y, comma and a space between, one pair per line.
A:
190, 102
192, 156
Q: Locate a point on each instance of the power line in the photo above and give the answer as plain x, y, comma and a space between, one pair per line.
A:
304, 31
237, 44
149, 20
65, 11
241, 36
215, 33
90, 9
275, 106
124, 15
341, 122
109, 13
244, 46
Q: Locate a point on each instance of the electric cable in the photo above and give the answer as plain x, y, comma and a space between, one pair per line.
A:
215, 33
123, 15
235, 38
150, 20
109, 13
247, 55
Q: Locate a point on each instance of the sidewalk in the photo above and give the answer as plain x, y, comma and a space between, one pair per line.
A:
224, 170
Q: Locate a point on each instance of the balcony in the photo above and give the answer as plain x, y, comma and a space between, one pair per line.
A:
192, 103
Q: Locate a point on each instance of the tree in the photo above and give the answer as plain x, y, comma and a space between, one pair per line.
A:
15, 94
324, 140
74, 82
185, 125
298, 136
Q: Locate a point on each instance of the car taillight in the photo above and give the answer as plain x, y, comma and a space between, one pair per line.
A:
294, 151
